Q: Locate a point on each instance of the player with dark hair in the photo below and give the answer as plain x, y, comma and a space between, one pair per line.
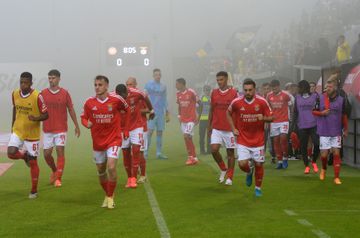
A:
220, 128
58, 101
280, 101
304, 123
28, 110
102, 116
247, 116
186, 99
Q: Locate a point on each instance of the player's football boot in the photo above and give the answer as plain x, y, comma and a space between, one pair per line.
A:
133, 183
315, 168
307, 170
337, 181
285, 164
249, 177
110, 203
128, 183
322, 174
194, 161
189, 161
228, 182
258, 192
222, 176
57, 183
142, 179
105, 202
161, 156
33, 195
52, 178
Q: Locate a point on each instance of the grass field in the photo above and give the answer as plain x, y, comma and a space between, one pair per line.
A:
191, 201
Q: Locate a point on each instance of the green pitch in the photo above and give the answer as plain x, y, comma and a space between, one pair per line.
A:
191, 201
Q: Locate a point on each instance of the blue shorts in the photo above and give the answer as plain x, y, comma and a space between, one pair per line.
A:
158, 122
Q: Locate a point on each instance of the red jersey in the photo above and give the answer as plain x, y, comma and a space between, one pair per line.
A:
280, 105
143, 116
220, 102
106, 119
57, 102
251, 130
134, 100
187, 105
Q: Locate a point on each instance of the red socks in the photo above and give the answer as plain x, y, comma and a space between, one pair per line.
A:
324, 162
277, 148
190, 146
34, 172
230, 173
135, 160
142, 164
259, 174
127, 161
284, 145
111, 185
60, 167
221, 165
104, 185
337, 165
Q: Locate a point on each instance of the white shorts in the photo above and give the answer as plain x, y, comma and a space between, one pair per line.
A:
54, 139
136, 137
100, 157
144, 145
226, 138
32, 147
255, 153
187, 128
327, 142
278, 128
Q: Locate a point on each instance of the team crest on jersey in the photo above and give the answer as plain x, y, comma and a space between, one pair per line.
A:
132, 101
110, 107
257, 107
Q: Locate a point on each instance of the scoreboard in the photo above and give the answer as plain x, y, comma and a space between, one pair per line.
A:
128, 55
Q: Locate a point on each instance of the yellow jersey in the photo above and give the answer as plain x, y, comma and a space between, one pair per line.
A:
31, 104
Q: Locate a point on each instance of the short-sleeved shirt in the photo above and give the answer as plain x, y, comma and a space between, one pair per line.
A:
158, 96
251, 130
187, 105
106, 119
57, 102
135, 100
25, 105
220, 102
279, 104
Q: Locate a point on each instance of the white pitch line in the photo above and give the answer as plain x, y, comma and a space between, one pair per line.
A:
290, 213
336, 211
160, 221
304, 222
320, 233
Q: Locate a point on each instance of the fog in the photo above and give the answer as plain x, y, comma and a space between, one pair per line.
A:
73, 36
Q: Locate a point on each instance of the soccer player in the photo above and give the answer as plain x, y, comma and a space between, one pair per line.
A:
247, 116
280, 101
58, 101
332, 123
220, 128
102, 116
158, 97
305, 122
186, 98
28, 110
131, 147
